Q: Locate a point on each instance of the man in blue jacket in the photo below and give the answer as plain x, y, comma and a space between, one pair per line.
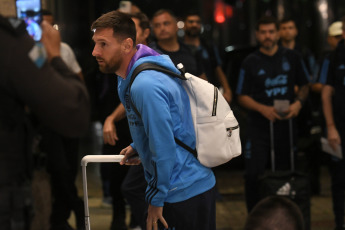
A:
176, 180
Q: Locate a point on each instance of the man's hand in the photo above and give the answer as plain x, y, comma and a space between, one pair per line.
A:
109, 131
333, 137
269, 112
51, 40
293, 110
129, 156
154, 215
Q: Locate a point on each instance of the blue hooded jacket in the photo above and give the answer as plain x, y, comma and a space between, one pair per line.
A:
173, 174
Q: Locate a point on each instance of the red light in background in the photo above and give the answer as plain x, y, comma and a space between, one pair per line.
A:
228, 11
220, 18
222, 11
219, 15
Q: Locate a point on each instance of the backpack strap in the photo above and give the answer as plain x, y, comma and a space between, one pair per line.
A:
186, 147
152, 66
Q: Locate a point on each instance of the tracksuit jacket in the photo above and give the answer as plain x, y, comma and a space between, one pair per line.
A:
173, 174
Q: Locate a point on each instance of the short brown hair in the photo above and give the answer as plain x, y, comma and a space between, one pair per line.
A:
267, 20
286, 20
144, 22
121, 23
275, 212
163, 11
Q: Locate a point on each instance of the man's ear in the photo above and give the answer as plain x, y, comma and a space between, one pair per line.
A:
146, 33
127, 45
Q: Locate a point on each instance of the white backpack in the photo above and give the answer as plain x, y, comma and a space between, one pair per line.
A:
216, 128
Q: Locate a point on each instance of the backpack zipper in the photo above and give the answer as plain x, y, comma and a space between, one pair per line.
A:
229, 130
215, 102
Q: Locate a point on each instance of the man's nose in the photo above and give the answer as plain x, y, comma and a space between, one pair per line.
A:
268, 34
95, 52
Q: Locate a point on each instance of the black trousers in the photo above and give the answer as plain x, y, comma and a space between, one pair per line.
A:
63, 166
258, 158
337, 172
115, 173
198, 212
133, 189
16, 209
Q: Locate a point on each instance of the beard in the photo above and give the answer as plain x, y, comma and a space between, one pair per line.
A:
192, 32
109, 67
269, 44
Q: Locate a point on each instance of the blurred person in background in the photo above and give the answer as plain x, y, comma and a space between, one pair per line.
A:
67, 53
53, 93
308, 137
288, 33
268, 74
62, 157
333, 94
164, 27
275, 212
334, 36
207, 51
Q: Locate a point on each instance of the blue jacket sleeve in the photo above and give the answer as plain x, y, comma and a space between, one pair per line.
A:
152, 101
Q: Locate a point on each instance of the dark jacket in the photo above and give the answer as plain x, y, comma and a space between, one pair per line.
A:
56, 96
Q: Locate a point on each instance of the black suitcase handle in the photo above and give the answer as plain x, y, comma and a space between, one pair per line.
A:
292, 158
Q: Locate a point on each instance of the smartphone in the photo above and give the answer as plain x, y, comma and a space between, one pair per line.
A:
125, 6
281, 106
30, 12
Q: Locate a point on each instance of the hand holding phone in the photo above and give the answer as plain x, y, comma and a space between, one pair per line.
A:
51, 40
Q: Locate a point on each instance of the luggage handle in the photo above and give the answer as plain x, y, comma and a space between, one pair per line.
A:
90, 159
100, 158
292, 162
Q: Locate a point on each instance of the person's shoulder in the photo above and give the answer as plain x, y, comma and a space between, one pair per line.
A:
303, 49
153, 45
207, 43
65, 47
154, 78
290, 54
285, 51
13, 26
151, 83
253, 57
184, 47
148, 78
